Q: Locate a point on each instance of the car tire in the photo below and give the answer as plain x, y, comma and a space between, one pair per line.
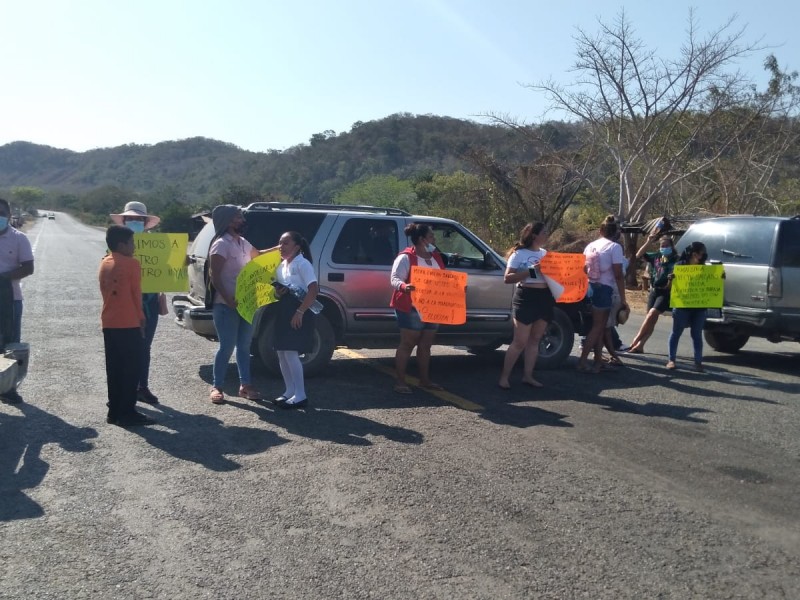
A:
314, 362
725, 341
557, 341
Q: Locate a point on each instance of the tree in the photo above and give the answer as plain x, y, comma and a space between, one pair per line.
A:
649, 113
381, 190
27, 198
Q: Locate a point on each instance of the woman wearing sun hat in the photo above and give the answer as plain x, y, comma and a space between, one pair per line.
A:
134, 216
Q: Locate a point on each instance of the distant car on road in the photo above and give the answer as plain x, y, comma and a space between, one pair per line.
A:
51, 216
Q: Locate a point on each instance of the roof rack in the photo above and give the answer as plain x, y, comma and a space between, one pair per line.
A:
380, 210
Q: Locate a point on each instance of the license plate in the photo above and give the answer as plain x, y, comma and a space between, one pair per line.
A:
714, 313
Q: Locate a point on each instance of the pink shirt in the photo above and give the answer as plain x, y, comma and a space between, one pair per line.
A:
236, 254
15, 249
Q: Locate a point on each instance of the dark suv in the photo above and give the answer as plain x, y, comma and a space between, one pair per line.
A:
353, 248
762, 278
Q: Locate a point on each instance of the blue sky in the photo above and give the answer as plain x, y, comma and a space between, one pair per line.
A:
263, 74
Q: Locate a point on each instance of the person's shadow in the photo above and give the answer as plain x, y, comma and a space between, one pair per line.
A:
331, 425
21, 465
203, 439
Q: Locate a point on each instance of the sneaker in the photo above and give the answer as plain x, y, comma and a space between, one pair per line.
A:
146, 396
134, 419
12, 397
699, 367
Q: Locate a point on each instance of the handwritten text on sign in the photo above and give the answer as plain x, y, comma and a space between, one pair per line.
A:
439, 296
567, 269
254, 284
163, 260
697, 286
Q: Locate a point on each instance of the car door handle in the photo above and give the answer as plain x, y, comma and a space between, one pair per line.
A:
335, 276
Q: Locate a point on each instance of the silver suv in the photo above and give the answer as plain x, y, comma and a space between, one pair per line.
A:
353, 248
762, 278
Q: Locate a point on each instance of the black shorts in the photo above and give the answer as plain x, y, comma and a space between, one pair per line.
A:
287, 338
533, 304
658, 299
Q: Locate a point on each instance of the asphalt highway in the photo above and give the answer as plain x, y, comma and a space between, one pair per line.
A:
636, 482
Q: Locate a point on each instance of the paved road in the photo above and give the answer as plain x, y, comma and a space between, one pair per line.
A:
637, 483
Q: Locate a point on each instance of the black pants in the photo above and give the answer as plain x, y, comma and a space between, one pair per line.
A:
123, 365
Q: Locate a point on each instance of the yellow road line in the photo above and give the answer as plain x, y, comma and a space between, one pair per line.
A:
443, 395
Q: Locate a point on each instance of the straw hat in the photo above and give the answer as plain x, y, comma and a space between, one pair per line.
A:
622, 315
136, 209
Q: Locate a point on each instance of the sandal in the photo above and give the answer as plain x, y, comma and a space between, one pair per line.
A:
431, 386
402, 389
613, 360
216, 396
248, 392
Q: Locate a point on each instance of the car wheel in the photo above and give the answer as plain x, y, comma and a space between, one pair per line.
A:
725, 341
557, 341
314, 362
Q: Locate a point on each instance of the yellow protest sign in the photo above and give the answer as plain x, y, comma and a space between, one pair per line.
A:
565, 269
163, 260
253, 285
697, 286
439, 296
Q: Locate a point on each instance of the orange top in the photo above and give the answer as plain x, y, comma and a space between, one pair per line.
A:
121, 286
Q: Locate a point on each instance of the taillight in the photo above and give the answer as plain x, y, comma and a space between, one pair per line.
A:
774, 283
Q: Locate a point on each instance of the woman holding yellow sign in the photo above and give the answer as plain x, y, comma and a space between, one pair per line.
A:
413, 332
693, 318
228, 255
533, 303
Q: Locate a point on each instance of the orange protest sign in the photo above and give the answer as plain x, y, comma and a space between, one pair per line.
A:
439, 296
566, 268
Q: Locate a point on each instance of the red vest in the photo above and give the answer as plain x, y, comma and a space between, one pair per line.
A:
402, 300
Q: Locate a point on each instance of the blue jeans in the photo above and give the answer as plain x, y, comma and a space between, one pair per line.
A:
150, 306
16, 336
232, 331
694, 318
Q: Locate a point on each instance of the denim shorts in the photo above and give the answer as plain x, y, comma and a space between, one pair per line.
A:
602, 295
412, 320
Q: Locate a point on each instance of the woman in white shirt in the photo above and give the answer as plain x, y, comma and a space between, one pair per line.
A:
294, 323
533, 302
604, 260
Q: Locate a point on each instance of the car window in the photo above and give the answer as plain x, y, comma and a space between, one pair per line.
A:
366, 242
264, 228
749, 242
789, 243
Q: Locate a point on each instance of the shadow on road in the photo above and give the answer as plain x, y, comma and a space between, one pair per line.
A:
329, 425
203, 439
21, 466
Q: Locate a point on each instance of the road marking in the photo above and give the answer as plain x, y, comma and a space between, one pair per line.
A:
443, 395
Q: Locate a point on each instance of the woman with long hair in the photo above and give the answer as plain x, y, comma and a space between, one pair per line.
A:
294, 323
693, 318
532, 304
660, 265
413, 332
604, 260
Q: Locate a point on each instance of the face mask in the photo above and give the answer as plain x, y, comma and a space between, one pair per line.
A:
3, 223
430, 247
241, 229
666, 251
135, 226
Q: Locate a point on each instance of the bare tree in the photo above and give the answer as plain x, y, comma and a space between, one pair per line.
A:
542, 189
649, 113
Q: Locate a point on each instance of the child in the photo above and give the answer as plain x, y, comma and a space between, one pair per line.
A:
123, 324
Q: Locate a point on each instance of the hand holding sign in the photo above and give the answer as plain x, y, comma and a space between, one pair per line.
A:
439, 296
565, 276
254, 284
